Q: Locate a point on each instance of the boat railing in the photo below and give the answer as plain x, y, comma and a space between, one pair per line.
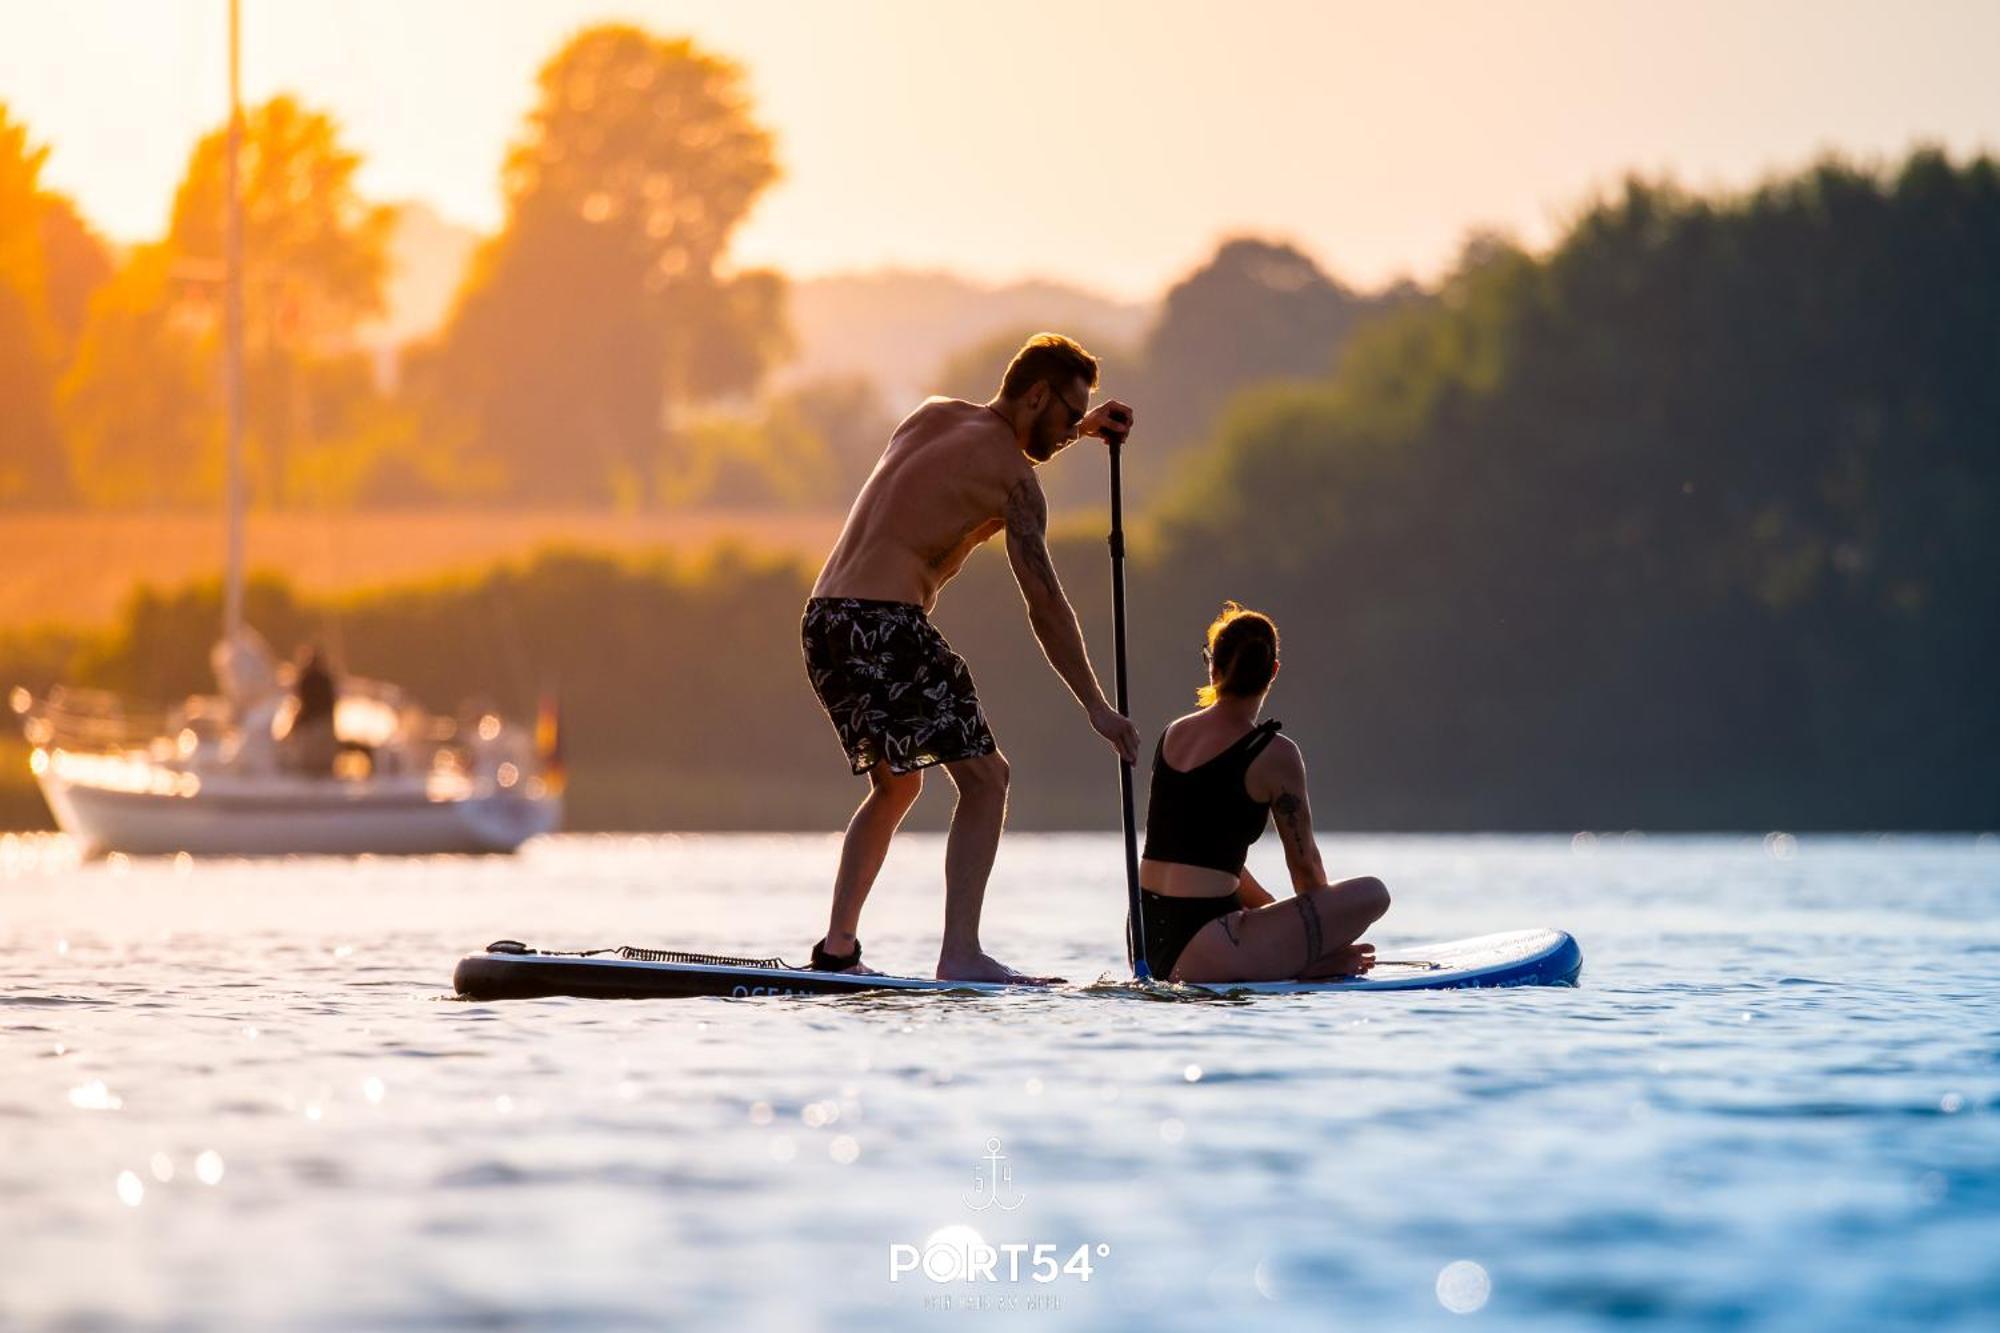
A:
82, 719
378, 718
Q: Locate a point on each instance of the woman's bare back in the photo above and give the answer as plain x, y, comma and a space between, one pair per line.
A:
1193, 740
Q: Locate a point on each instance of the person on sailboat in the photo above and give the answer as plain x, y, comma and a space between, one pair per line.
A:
1219, 775
310, 744
954, 474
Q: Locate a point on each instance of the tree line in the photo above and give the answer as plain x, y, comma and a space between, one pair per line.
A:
600, 309
1688, 523
602, 349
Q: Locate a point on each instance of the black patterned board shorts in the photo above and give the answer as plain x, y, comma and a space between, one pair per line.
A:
891, 685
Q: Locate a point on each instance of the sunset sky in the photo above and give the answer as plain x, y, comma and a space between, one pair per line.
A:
1108, 142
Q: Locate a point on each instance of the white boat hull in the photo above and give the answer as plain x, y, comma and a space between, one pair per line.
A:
301, 817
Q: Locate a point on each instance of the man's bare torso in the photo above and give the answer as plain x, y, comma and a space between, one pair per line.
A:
939, 491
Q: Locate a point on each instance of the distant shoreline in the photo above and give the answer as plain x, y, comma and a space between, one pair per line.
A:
76, 568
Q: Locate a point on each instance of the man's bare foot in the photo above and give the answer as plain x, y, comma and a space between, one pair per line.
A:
982, 967
1348, 961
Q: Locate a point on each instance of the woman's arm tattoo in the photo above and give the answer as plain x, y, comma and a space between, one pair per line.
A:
1289, 811
1309, 914
1295, 830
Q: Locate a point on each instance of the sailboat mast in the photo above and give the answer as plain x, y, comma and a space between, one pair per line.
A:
232, 352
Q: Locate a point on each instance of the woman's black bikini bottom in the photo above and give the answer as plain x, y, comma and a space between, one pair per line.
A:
1171, 922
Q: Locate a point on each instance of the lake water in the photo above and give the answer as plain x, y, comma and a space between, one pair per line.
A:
239, 1095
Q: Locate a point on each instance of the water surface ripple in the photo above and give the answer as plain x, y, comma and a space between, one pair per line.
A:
238, 1095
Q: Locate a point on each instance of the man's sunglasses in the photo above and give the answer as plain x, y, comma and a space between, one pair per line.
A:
1075, 413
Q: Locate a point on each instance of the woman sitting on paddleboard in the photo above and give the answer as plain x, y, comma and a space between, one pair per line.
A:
1218, 774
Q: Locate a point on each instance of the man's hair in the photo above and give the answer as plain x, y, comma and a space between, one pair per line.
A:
1048, 358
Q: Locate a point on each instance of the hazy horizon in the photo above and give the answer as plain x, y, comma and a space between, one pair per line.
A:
1373, 138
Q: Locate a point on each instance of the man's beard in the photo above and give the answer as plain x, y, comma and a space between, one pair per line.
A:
1043, 448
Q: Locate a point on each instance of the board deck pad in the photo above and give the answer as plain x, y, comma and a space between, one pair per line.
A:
509, 970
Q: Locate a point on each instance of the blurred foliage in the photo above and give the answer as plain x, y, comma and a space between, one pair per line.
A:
1258, 311
142, 403
601, 310
31, 461
599, 352
1690, 522
771, 460
77, 263
315, 253
846, 413
46, 266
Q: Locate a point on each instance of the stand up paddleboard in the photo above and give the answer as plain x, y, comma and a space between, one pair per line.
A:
510, 970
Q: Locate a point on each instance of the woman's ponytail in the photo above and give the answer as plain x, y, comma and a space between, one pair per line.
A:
1242, 652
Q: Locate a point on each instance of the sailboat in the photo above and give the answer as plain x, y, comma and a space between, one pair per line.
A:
229, 774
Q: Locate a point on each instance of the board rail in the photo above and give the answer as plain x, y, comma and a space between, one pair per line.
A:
510, 970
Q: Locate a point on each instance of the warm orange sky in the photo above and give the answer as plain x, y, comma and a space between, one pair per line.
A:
1105, 141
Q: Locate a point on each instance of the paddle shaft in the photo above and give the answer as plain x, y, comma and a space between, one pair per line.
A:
1117, 541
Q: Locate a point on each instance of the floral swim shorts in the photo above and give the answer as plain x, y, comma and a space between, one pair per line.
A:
891, 685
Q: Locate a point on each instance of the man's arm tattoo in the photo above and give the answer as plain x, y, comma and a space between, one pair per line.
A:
1027, 518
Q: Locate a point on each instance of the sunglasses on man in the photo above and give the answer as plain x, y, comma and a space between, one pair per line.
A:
1075, 413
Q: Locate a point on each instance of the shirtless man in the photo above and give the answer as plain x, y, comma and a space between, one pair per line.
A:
954, 474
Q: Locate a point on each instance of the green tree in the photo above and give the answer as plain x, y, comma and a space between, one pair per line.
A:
77, 264
1257, 310
847, 414
1689, 522
142, 398
775, 458
141, 405
31, 463
602, 307
316, 254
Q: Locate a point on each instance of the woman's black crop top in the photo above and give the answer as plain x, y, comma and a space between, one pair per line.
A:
1204, 817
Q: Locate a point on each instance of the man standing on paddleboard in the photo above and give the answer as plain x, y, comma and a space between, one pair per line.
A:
954, 474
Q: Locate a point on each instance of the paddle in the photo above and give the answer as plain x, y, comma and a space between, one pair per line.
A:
1136, 936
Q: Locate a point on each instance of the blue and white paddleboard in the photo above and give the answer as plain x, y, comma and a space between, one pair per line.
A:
509, 970
1513, 958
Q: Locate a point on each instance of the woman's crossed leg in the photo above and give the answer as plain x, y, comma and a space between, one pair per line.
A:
1308, 937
